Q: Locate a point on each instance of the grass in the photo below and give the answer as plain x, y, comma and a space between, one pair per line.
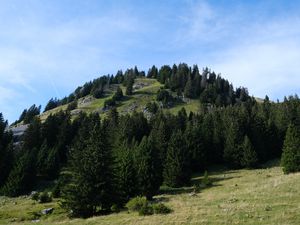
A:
136, 102
260, 196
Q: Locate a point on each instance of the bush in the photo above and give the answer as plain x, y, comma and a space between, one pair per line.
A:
146, 210
115, 208
98, 93
136, 203
35, 196
109, 102
206, 180
73, 105
160, 208
56, 191
45, 197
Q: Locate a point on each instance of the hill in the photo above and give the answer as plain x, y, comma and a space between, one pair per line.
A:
260, 196
145, 91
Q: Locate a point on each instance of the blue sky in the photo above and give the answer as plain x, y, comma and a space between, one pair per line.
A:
48, 48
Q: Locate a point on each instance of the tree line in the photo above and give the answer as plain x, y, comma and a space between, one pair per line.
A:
97, 163
186, 81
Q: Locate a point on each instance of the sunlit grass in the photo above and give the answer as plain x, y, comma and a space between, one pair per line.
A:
261, 196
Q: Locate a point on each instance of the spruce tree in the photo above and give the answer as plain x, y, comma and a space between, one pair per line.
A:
232, 149
290, 159
129, 85
249, 159
91, 186
22, 176
177, 165
189, 90
147, 166
125, 171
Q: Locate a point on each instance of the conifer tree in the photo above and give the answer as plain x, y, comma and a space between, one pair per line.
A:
177, 166
125, 171
22, 176
189, 90
249, 159
91, 187
232, 148
129, 85
147, 166
290, 159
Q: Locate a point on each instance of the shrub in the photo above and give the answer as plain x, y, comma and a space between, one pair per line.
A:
73, 105
136, 203
115, 208
45, 197
206, 180
146, 210
160, 208
56, 191
109, 102
35, 196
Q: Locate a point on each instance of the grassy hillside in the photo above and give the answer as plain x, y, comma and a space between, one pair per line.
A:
261, 196
142, 95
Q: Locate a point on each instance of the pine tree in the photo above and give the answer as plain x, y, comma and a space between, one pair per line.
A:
91, 187
22, 176
129, 85
189, 90
232, 148
147, 165
125, 171
290, 159
249, 159
177, 166
118, 95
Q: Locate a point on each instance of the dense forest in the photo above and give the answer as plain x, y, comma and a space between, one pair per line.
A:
96, 162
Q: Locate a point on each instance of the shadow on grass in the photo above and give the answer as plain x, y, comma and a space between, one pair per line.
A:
197, 180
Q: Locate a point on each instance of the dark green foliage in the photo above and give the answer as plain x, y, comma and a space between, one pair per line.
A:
164, 96
35, 196
147, 167
44, 197
73, 105
152, 107
249, 159
135, 204
232, 148
290, 160
53, 103
125, 171
146, 210
6, 151
206, 180
109, 103
22, 176
118, 95
177, 166
28, 114
160, 208
129, 85
91, 187
98, 93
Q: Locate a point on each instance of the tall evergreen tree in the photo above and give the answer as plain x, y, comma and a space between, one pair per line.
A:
177, 167
147, 166
290, 159
125, 171
249, 159
91, 187
129, 85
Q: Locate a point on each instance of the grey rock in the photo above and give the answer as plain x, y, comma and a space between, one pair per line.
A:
47, 211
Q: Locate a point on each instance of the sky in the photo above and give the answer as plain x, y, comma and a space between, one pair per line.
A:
48, 48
